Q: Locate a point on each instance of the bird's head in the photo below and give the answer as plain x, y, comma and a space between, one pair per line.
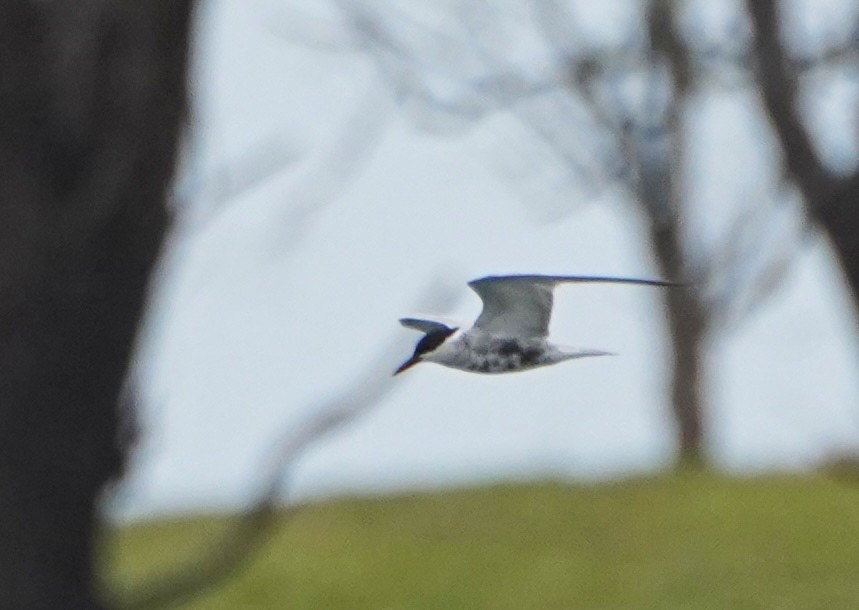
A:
430, 342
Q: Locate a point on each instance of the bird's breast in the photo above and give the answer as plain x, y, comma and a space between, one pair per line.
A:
487, 354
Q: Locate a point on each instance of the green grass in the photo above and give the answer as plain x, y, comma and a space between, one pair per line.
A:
690, 541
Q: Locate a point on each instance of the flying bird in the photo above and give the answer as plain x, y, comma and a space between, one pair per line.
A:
511, 332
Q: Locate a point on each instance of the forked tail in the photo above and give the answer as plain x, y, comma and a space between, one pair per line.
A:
568, 353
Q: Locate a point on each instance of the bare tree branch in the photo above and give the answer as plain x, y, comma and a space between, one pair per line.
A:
204, 195
779, 93
829, 198
755, 253
237, 547
313, 193
304, 200
610, 115
345, 157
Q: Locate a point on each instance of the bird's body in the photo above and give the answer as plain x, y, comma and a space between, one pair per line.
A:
480, 352
511, 332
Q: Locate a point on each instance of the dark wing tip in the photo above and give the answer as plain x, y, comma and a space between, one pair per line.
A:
523, 277
559, 279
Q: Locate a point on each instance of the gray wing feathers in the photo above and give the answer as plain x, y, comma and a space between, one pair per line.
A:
521, 305
514, 308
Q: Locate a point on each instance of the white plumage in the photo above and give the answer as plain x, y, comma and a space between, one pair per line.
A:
510, 334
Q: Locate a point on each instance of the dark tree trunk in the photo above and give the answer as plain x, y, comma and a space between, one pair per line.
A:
92, 94
687, 331
685, 321
839, 216
661, 162
831, 199
658, 192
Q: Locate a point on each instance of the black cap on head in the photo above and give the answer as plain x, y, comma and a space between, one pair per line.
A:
428, 343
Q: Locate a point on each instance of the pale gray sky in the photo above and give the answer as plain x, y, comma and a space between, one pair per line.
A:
279, 300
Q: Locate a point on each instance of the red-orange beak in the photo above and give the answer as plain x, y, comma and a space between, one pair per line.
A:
407, 364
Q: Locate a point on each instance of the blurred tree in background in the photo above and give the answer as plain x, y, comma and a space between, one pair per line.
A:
646, 106
92, 94
788, 79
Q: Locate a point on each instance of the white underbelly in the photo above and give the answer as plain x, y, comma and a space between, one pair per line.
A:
495, 355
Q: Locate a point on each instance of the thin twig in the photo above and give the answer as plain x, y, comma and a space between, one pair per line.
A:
236, 548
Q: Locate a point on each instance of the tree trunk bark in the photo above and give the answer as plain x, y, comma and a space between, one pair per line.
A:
686, 318
830, 199
661, 166
92, 94
839, 217
686, 329
660, 195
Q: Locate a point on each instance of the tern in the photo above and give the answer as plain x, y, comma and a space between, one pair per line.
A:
511, 332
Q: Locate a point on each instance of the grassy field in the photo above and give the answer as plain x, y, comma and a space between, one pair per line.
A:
690, 541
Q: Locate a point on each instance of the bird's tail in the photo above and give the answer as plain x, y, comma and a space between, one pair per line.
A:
570, 352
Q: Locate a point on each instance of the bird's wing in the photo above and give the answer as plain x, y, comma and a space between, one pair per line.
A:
425, 325
515, 306
521, 305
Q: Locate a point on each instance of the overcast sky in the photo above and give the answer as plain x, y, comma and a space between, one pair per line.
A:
288, 292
